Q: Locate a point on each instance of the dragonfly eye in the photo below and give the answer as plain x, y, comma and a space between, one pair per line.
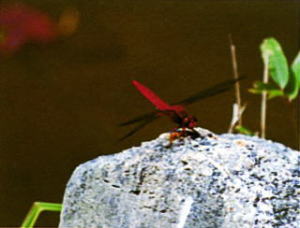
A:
186, 120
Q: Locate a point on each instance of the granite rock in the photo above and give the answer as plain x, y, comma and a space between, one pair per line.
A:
228, 181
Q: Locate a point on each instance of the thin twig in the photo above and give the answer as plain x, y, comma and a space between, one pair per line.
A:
263, 112
237, 106
235, 75
236, 116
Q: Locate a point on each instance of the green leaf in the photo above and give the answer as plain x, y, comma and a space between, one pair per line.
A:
277, 64
275, 93
271, 89
261, 86
244, 130
296, 68
292, 89
35, 211
293, 86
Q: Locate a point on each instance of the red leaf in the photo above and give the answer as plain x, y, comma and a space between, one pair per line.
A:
20, 24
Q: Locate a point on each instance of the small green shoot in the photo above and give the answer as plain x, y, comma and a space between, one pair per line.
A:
35, 211
244, 130
286, 80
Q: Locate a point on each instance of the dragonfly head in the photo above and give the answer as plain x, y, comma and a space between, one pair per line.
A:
189, 122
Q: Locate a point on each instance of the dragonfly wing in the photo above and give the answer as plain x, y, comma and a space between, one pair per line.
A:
151, 96
138, 127
214, 90
138, 119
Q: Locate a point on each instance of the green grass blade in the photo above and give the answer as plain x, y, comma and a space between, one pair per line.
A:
278, 66
35, 211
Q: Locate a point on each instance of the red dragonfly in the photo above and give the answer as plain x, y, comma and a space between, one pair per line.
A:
176, 111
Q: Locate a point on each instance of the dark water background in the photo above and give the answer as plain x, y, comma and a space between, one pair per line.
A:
60, 103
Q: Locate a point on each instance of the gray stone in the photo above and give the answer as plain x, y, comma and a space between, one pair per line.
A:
230, 181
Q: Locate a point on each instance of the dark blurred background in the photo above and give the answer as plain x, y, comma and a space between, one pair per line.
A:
61, 101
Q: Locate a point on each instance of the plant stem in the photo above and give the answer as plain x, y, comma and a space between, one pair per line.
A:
236, 76
264, 99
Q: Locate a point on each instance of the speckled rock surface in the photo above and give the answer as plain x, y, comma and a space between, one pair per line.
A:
229, 181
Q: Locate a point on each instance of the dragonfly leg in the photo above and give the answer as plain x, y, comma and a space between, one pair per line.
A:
173, 136
177, 133
194, 134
